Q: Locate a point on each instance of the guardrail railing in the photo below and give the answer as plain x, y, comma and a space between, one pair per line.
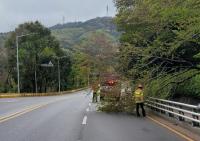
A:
181, 111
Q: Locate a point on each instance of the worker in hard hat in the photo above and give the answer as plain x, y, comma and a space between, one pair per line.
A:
139, 100
98, 93
95, 89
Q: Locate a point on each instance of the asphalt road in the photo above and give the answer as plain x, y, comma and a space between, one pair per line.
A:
74, 118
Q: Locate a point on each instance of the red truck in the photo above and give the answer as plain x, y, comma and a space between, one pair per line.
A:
110, 86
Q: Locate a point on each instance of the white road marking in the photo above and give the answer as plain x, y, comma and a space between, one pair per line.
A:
9, 101
84, 120
89, 104
88, 109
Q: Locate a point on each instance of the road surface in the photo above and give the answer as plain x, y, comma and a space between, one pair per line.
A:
72, 118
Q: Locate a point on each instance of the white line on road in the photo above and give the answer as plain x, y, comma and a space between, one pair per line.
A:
84, 120
88, 109
89, 104
9, 101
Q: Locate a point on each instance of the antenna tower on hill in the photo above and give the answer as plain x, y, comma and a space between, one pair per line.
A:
107, 10
63, 20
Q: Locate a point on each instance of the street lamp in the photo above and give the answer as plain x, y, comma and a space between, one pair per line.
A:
58, 59
17, 45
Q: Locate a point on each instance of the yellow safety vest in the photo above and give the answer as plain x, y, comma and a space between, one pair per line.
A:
139, 96
98, 92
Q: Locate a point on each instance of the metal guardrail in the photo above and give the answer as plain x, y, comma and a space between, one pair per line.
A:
182, 112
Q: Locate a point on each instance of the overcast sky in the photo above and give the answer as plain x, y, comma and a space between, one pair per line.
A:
50, 12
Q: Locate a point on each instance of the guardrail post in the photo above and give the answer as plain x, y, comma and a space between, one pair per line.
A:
182, 113
162, 111
195, 124
181, 118
158, 110
170, 114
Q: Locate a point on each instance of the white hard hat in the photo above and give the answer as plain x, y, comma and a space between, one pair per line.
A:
140, 86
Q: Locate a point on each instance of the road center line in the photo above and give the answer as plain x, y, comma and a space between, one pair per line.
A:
84, 120
26, 110
17, 114
89, 104
88, 109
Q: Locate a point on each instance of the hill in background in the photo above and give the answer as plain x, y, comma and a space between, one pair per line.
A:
71, 34
92, 44
96, 38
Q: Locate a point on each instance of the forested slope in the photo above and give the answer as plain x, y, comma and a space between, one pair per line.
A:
160, 45
91, 46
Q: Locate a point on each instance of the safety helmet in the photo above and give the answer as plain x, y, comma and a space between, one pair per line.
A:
140, 86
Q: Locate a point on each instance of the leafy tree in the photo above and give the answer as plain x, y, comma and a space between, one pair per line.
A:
94, 42
159, 43
37, 48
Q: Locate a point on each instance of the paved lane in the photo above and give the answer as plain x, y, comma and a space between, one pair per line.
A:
121, 127
73, 118
60, 121
10, 105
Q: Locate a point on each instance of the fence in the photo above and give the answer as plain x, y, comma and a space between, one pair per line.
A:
182, 112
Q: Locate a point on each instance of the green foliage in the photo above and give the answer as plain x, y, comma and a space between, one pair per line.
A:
125, 104
80, 69
91, 47
3, 61
93, 44
160, 44
190, 88
34, 50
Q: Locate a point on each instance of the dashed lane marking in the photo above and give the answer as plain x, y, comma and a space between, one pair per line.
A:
88, 109
9, 101
84, 120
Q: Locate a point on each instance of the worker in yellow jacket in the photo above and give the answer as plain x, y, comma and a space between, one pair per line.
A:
139, 100
98, 93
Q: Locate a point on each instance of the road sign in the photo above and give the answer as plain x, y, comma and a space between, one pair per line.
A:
50, 64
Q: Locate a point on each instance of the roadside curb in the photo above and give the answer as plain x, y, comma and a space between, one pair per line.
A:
13, 95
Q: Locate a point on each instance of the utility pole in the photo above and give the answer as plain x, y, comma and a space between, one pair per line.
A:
59, 79
36, 87
77, 84
17, 45
18, 82
63, 20
107, 11
59, 75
